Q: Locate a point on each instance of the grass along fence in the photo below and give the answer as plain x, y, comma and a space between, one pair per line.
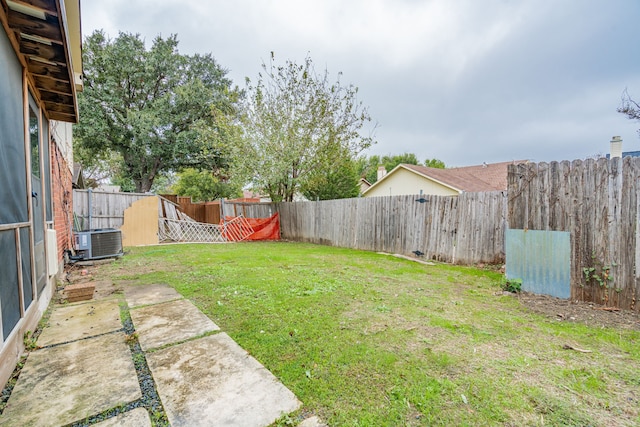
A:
466, 229
369, 340
597, 202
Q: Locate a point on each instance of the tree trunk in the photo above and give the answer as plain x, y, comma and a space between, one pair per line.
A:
143, 185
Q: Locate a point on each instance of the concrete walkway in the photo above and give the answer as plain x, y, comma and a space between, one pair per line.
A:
90, 369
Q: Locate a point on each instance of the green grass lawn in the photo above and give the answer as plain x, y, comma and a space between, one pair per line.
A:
365, 339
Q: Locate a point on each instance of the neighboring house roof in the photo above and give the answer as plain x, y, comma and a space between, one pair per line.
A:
485, 177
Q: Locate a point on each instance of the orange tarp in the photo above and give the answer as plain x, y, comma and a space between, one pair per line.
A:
263, 228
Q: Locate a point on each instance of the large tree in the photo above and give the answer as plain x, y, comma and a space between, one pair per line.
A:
337, 180
297, 121
160, 110
203, 186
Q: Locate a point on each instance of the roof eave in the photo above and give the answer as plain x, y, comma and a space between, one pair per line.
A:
45, 42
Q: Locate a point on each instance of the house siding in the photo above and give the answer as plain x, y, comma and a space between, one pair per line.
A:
403, 182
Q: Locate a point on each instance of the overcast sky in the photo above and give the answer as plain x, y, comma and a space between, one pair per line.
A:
464, 81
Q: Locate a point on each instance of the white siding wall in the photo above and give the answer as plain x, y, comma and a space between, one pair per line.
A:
402, 182
61, 132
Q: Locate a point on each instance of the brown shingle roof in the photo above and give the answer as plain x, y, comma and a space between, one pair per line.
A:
486, 177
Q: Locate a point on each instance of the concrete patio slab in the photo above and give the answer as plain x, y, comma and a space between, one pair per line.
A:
212, 381
73, 322
149, 294
66, 383
135, 418
169, 322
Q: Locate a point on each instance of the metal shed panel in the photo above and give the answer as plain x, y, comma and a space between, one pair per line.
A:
541, 259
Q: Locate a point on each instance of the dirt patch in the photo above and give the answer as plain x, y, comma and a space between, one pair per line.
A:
581, 312
81, 274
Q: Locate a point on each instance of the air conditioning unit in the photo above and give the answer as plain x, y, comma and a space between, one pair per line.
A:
99, 243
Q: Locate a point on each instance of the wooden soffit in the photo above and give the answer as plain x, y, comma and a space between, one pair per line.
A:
37, 29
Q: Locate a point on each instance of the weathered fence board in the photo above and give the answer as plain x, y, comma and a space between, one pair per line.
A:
107, 209
206, 212
248, 209
597, 202
466, 229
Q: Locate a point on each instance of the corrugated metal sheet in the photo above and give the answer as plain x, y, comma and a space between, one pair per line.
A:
541, 259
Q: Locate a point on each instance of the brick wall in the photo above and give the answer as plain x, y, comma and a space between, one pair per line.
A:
62, 196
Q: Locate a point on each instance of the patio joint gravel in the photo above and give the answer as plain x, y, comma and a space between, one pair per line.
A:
79, 339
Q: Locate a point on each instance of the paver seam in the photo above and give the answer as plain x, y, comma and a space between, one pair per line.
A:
155, 303
172, 344
79, 339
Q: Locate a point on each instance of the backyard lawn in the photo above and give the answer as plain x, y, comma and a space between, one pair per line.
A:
365, 339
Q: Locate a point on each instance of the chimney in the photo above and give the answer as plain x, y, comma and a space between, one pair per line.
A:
616, 147
381, 172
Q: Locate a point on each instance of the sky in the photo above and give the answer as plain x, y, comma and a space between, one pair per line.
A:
463, 81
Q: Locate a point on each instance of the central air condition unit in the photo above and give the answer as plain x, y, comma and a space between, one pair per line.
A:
97, 244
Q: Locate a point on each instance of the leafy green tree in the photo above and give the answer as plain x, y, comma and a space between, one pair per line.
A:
97, 167
339, 180
203, 186
297, 121
434, 163
390, 162
368, 166
161, 111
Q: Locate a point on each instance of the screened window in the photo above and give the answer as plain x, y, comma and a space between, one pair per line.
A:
34, 135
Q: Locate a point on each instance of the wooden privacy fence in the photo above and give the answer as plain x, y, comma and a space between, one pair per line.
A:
248, 209
106, 210
466, 229
208, 212
597, 202
98, 209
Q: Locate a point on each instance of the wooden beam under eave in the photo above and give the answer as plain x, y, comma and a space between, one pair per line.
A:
53, 53
55, 107
39, 69
57, 98
46, 6
53, 85
63, 117
61, 108
49, 29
